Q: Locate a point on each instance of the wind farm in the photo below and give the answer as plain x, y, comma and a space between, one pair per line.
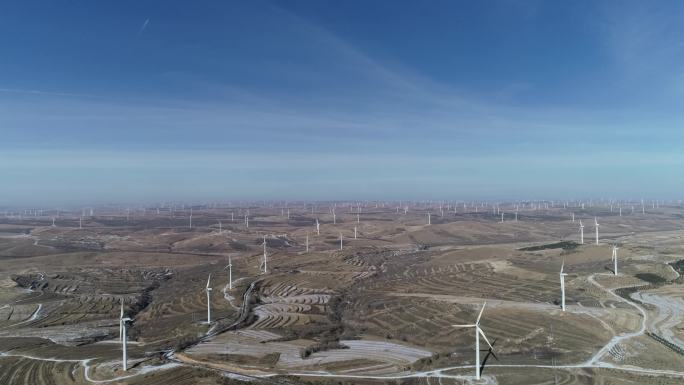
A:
378, 307
316, 192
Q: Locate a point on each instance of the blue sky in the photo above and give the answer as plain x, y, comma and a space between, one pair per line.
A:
147, 100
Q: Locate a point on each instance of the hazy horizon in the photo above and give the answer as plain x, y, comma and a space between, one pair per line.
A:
313, 100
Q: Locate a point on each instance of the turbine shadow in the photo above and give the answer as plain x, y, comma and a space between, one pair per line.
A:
490, 352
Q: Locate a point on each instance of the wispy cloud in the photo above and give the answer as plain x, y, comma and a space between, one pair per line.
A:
143, 27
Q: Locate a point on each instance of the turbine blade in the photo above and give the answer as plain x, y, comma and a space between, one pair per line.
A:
480, 315
208, 280
464, 326
562, 266
485, 337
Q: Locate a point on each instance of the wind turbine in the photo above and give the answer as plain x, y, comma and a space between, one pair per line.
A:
355, 232
307, 241
220, 229
318, 227
429, 221
265, 266
581, 233
340, 240
562, 283
478, 332
208, 291
80, 222
596, 226
230, 273
614, 258
124, 338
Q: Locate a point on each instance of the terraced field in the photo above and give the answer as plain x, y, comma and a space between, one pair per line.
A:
380, 310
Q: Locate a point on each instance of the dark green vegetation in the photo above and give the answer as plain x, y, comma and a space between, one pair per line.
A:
651, 278
666, 343
565, 245
679, 268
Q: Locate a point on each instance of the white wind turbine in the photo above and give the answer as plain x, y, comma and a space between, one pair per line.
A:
124, 338
340, 240
307, 241
355, 232
265, 266
478, 332
220, 229
428, 218
318, 227
596, 226
230, 273
562, 284
614, 258
581, 233
208, 289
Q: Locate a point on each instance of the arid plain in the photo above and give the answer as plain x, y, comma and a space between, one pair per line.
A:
375, 308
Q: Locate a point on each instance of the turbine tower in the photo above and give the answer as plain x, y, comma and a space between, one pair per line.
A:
208, 290
230, 273
478, 332
615, 249
340, 240
220, 229
124, 339
121, 317
581, 233
265, 266
596, 226
562, 284
355, 232
307, 241
318, 227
